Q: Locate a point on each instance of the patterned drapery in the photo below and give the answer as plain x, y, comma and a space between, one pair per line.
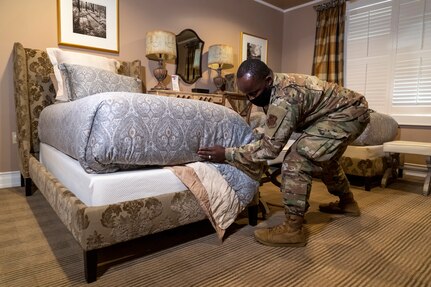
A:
329, 44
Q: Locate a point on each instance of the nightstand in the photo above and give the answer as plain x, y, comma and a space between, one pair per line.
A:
238, 102
213, 98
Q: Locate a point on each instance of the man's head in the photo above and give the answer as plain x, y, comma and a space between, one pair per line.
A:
254, 79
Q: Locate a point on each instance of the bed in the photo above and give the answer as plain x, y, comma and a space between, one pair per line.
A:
95, 222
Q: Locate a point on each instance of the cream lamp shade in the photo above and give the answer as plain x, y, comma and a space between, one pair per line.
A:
161, 45
220, 57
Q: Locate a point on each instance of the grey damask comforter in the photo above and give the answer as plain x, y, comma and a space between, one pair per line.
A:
108, 132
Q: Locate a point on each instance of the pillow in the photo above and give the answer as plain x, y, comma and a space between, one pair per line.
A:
81, 81
58, 56
54, 81
381, 128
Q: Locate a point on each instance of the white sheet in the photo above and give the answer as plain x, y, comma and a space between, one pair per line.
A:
102, 189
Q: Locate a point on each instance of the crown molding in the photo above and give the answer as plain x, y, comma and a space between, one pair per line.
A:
289, 9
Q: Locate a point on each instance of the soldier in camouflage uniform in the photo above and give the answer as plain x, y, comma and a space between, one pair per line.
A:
329, 117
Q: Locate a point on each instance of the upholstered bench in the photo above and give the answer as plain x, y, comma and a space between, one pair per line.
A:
393, 149
364, 164
364, 160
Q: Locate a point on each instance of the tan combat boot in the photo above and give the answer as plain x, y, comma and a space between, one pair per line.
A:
346, 205
288, 234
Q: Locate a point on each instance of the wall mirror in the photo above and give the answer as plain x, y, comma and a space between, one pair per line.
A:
189, 56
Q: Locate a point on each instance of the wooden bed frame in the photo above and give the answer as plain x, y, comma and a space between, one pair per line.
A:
95, 228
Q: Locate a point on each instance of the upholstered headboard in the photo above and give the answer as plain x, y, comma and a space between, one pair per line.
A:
34, 91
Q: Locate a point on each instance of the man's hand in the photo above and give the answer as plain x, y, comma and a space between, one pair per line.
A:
213, 154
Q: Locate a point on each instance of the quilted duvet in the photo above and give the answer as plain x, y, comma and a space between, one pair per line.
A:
108, 132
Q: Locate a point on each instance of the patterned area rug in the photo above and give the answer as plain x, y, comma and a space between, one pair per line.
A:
389, 245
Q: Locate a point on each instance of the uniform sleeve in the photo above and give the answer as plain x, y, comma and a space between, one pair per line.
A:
277, 130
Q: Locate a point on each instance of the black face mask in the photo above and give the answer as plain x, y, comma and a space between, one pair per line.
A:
263, 99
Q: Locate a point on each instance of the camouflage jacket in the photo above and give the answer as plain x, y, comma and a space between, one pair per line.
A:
297, 101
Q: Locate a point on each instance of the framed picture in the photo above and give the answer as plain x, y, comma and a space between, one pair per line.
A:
253, 47
91, 24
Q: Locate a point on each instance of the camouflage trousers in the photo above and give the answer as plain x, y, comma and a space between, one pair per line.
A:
318, 148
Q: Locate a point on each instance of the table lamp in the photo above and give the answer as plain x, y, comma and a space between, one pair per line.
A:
161, 47
220, 57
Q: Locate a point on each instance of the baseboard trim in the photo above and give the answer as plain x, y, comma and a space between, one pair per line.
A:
10, 179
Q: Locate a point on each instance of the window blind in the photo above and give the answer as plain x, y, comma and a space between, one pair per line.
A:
388, 56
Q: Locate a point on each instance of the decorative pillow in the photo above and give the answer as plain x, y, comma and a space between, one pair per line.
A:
382, 128
81, 81
58, 56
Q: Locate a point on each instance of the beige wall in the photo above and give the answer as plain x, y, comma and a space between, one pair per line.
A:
298, 40
34, 24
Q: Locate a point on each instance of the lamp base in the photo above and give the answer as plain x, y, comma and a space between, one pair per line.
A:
160, 74
159, 87
220, 83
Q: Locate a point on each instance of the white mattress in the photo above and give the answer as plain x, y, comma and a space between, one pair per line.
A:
102, 189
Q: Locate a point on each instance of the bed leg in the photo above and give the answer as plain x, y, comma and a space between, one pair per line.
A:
252, 214
28, 183
90, 265
367, 183
22, 180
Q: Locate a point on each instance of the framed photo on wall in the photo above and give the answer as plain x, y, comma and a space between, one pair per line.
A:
253, 47
91, 24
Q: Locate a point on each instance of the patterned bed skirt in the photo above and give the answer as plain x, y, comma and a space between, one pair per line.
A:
101, 226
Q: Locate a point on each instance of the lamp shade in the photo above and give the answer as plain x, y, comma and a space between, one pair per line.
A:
220, 57
161, 45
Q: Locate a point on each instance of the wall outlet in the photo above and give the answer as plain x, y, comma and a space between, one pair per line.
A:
14, 140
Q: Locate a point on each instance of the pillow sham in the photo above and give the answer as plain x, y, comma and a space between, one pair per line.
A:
58, 56
54, 82
82, 81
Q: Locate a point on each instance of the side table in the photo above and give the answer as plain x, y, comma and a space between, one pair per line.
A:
213, 98
238, 102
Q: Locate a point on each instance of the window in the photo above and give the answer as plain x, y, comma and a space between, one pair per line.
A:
388, 56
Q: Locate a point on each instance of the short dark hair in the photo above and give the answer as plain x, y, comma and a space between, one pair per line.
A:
256, 68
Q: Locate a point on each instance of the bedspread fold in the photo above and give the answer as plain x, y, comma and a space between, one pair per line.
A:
215, 193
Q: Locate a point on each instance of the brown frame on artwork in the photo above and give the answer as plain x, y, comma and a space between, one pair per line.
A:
252, 39
107, 42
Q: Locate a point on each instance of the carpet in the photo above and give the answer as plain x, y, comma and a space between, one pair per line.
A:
389, 245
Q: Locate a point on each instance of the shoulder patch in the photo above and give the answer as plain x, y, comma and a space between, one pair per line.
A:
274, 118
271, 121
